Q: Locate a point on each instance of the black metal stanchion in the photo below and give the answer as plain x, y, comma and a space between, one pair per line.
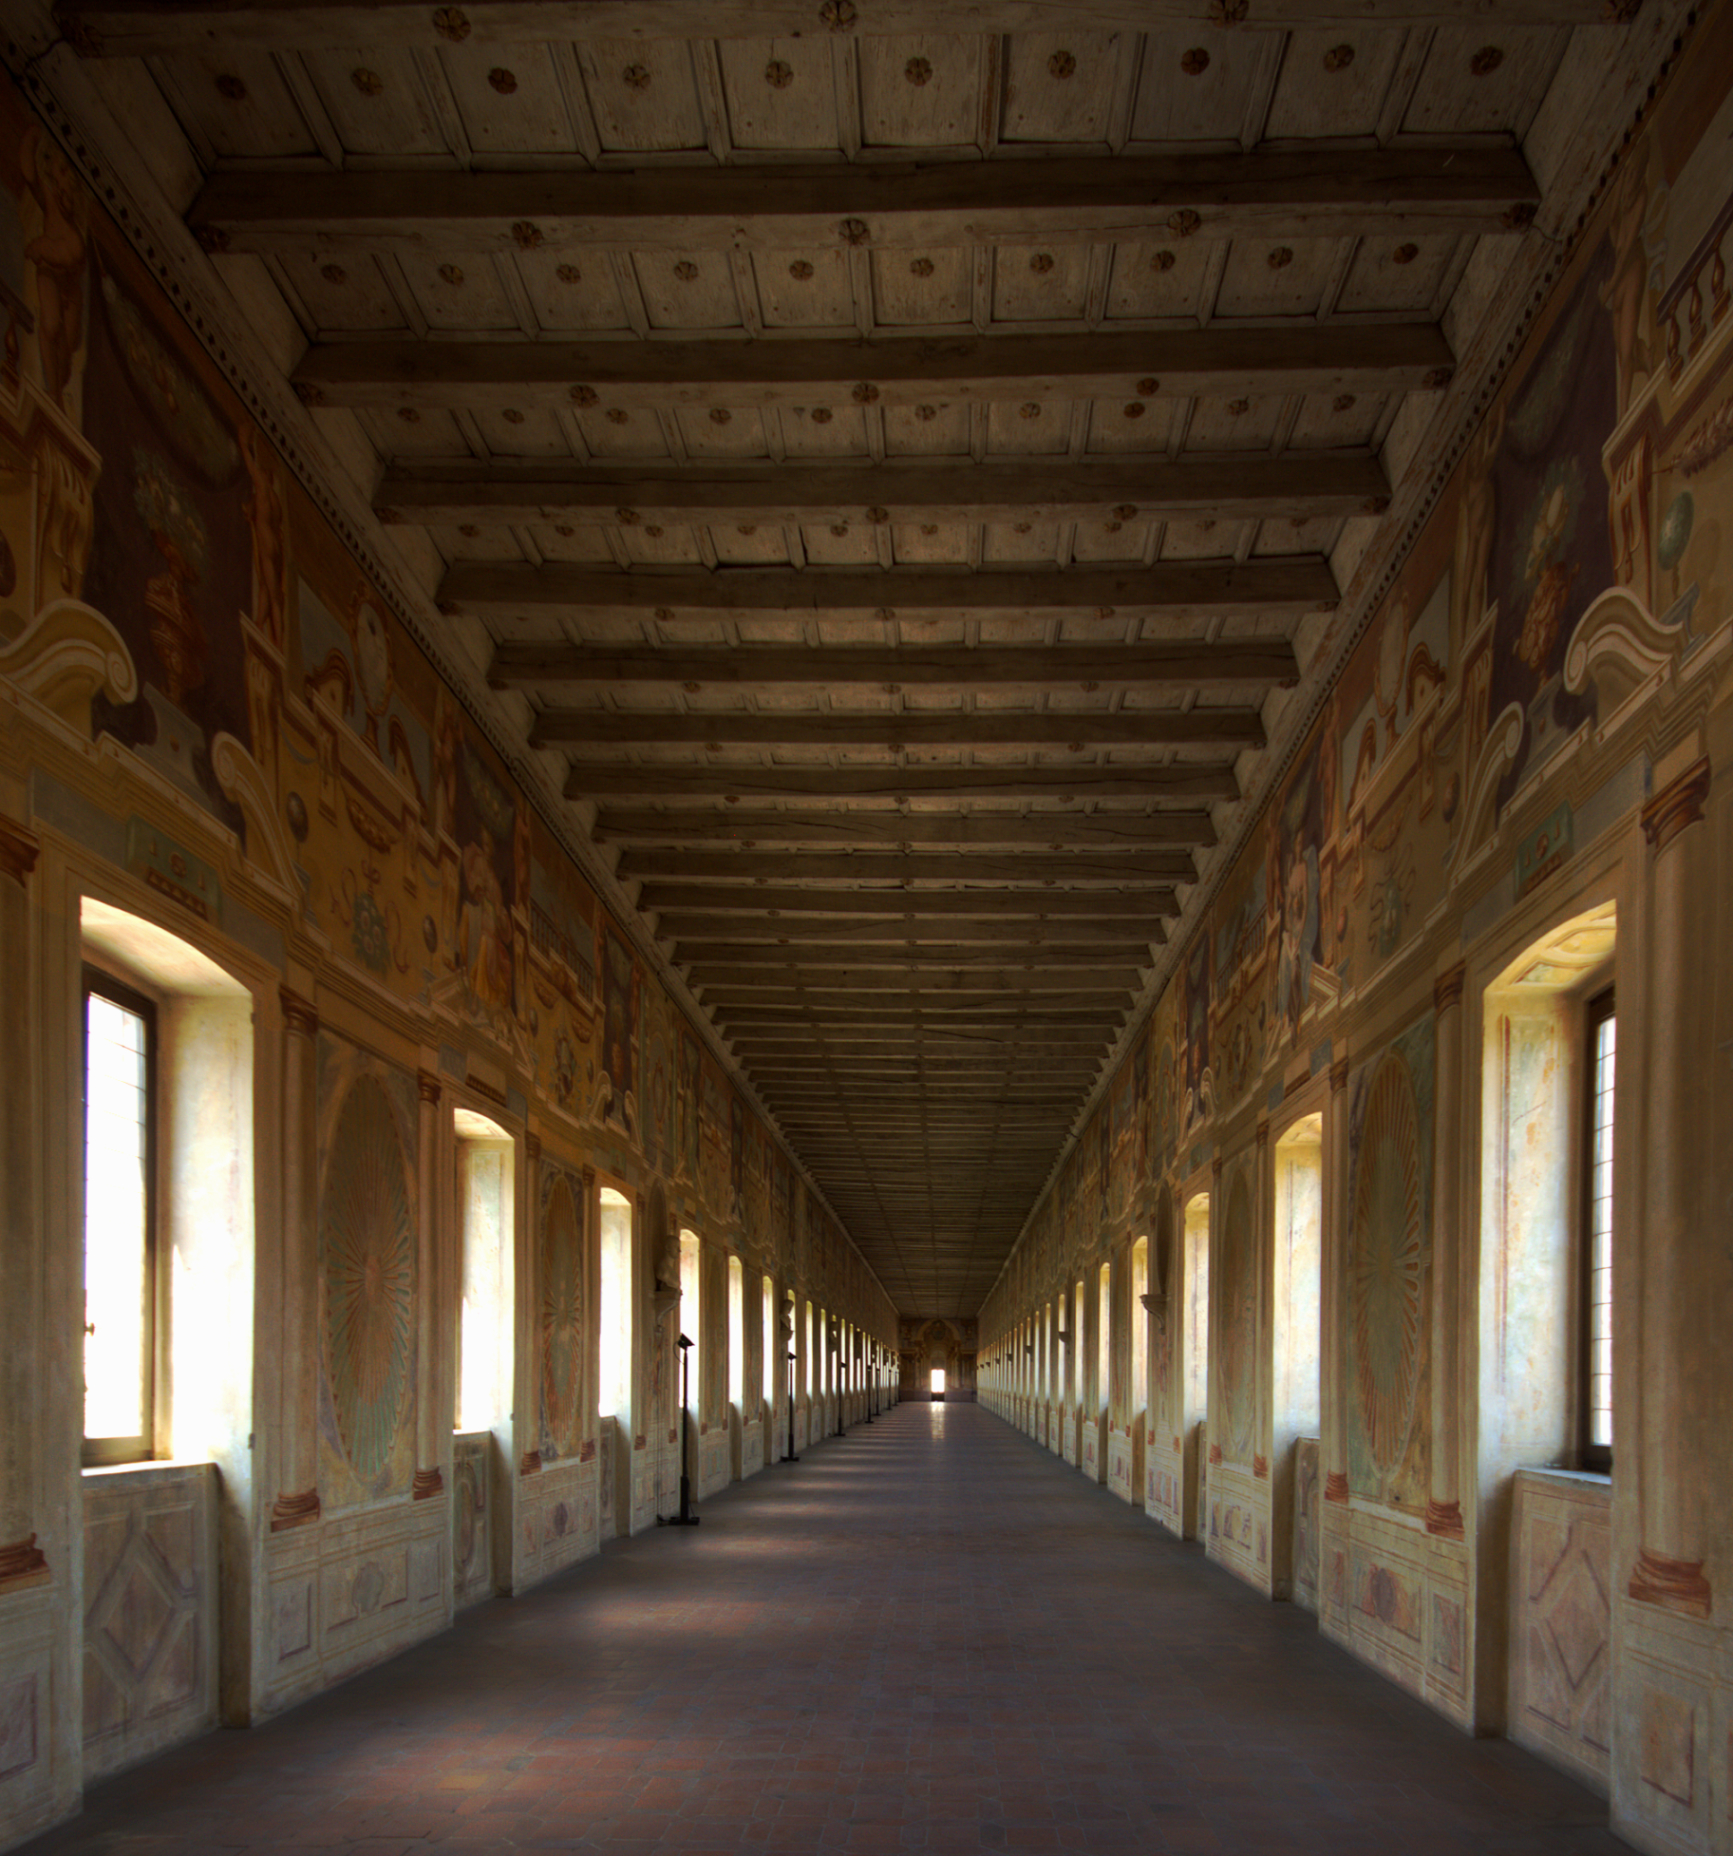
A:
791, 1457
685, 1518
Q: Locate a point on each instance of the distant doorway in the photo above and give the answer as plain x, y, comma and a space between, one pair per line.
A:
938, 1384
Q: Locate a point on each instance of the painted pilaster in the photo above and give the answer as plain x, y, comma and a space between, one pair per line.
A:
430, 1420
1211, 1418
1334, 1389
1677, 1221
297, 1502
1444, 1507
1263, 1354
526, 1431
22, 1561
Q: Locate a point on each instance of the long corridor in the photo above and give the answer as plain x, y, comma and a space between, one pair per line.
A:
930, 1635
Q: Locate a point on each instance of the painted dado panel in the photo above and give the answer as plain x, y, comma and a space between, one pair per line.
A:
472, 1518
1308, 1493
353, 1592
1239, 1522
150, 1611
1561, 1620
557, 1519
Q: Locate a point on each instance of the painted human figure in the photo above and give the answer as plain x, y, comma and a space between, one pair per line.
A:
265, 519
59, 252
1624, 292
1476, 523
484, 930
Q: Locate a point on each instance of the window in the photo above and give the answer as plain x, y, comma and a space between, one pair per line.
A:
1104, 1340
692, 1309
119, 1220
1195, 1313
1140, 1398
165, 1173
615, 1389
769, 1342
1599, 1048
1547, 1207
737, 1334
486, 1205
1299, 1169
1077, 1380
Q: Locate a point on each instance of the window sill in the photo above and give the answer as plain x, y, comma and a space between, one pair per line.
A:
148, 1466
1589, 1478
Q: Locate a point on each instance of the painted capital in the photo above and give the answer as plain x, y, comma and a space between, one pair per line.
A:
533, 1146
1263, 1135
299, 1017
428, 1482
1444, 1519
21, 1564
1678, 1585
1447, 988
1676, 805
18, 849
1338, 1076
1336, 1486
428, 1086
294, 1510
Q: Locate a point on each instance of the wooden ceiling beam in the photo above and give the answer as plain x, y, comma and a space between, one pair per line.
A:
980, 1047
536, 667
1438, 188
1302, 485
1060, 847
149, 28
963, 930
671, 898
888, 977
1081, 1018
1176, 780
892, 372
1037, 965
1279, 586
837, 1004
1076, 731
901, 1069
954, 1094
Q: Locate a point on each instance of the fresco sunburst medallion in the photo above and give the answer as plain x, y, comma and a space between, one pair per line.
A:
1386, 1265
367, 1245
562, 1315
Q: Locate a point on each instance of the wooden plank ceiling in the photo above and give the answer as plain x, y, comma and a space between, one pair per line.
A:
894, 466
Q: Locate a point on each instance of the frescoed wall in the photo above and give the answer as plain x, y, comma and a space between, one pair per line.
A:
219, 732
1513, 790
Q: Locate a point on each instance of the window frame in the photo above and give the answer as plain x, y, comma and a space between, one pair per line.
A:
1598, 1007
101, 1452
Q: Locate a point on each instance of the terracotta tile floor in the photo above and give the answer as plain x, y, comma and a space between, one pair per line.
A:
931, 1635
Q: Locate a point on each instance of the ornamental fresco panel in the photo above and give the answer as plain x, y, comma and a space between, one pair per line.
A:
1389, 1265
1237, 1316
560, 1283
368, 1210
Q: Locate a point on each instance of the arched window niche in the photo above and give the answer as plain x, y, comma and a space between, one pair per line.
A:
168, 1326
1545, 1269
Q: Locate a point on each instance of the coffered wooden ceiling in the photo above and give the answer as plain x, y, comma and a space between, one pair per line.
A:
900, 454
